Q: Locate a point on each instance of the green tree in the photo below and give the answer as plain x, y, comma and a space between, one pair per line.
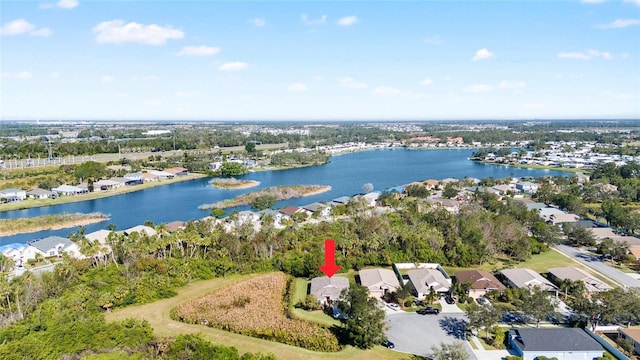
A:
250, 147
536, 304
263, 202
482, 316
90, 170
232, 169
365, 321
217, 213
450, 190
451, 351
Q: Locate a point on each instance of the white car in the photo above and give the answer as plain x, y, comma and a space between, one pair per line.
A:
395, 307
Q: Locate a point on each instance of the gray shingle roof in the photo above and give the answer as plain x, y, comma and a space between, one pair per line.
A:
321, 287
568, 339
50, 242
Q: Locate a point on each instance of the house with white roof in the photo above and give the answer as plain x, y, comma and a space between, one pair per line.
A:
12, 195
52, 246
423, 281
527, 187
527, 279
69, 190
379, 281
142, 230
40, 194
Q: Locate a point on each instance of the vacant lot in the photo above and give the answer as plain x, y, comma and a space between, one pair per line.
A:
158, 315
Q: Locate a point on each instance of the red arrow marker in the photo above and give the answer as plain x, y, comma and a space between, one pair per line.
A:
329, 268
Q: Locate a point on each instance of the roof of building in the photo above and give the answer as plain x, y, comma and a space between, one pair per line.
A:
141, 229
11, 190
174, 225
67, 188
635, 251
479, 279
106, 182
38, 191
176, 170
633, 333
527, 278
377, 277
149, 175
426, 279
342, 200
100, 235
314, 207
554, 339
50, 242
573, 273
526, 183
132, 176
325, 286
289, 210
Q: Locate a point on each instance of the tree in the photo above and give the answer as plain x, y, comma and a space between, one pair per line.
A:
250, 147
365, 321
90, 170
578, 235
450, 191
615, 249
217, 213
232, 169
263, 202
452, 351
537, 305
484, 316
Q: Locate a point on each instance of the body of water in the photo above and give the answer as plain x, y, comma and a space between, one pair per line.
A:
346, 174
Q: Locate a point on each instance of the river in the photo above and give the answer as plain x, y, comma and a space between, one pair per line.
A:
346, 174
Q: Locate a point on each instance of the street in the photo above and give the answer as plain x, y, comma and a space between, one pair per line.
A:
593, 262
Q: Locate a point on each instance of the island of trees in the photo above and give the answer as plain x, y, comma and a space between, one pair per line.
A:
266, 198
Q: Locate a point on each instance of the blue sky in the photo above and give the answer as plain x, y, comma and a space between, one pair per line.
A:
300, 60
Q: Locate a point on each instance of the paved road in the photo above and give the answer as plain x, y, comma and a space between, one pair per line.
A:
593, 262
416, 334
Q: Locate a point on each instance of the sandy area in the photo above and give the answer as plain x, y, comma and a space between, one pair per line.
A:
319, 191
62, 225
242, 184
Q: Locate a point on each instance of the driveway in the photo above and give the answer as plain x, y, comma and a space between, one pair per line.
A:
416, 334
593, 262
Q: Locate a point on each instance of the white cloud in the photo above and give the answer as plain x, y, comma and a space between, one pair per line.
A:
153, 102
201, 50
116, 32
351, 83
62, 4
619, 96
187, 93
480, 88
20, 75
504, 84
17, 27
107, 79
619, 23
258, 22
320, 21
587, 55
426, 82
592, 1
54, 75
347, 20
43, 32
482, 54
533, 105
298, 87
233, 66
433, 40
386, 90
637, 2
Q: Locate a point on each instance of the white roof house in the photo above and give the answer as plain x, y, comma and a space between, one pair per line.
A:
13, 194
527, 278
142, 230
424, 280
379, 281
52, 246
69, 190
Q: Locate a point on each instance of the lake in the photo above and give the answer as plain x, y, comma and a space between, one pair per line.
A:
346, 174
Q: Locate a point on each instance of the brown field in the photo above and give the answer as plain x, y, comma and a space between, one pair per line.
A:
158, 316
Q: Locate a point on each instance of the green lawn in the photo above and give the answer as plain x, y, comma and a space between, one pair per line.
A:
318, 316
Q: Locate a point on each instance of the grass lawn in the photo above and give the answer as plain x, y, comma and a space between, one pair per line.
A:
318, 316
158, 316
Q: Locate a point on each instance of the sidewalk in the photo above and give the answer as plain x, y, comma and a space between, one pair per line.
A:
482, 354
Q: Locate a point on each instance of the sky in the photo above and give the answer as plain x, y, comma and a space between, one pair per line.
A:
322, 60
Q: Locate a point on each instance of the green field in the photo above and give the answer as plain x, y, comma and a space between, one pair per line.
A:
158, 316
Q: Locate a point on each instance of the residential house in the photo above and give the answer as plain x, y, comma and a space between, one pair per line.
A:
174, 225
480, 282
503, 189
12, 195
275, 215
423, 281
447, 204
102, 237
177, 171
162, 175
121, 181
150, 177
527, 279
290, 210
559, 343
134, 178
635, 251
371, 198
106, 184
527, 187
631, 334
141, 229
556, 219
52, 246
40, 194
431, 184
343, 200
69, 190
327, 289
574, 274
14, 252
379, 281
322, 210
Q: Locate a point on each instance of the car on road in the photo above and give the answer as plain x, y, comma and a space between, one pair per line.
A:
449, 299
483, 301
395, 307
388, 344
428, 311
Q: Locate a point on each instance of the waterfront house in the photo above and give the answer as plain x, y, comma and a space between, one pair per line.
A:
177, 171
52, 246
527, 279
371, 198
423, 281
162, 175
40, 194
174, 226
134, 178
447, 204
69, 190
527, 187
574, 274
11, 195
290, 210
142, 230
379, 281
275, 215
106, 184
558, 343
480, 282
150, 177
317, 208
327, 289
343, 200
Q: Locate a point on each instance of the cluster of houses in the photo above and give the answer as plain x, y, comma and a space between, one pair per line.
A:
12, 195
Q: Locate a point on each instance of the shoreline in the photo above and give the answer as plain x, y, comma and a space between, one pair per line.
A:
243, 184
245, 199
61, 225
536, 167
31, 203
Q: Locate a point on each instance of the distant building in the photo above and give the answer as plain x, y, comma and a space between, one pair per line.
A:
527, 187
11, 195
40, 194
574, 274
562, 344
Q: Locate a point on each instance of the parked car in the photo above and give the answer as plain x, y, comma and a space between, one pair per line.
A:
428, 310
483, 301
395, 307
449, 299
388, 344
